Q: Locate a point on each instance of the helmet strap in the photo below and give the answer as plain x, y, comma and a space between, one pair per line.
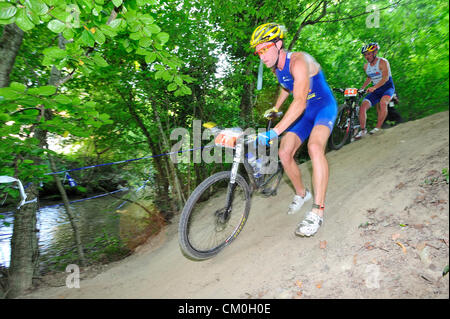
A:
278, 58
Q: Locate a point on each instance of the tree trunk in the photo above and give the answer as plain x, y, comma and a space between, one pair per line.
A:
172, 167
69, 213
24, 252
24, 242
9, 47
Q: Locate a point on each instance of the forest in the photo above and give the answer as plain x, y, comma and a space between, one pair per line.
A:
87, 82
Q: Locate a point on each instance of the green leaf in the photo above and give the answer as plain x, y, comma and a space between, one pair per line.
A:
186, 90
104, 117
147, 32
147, 19
100, 61
81, 189
23, 21
7, 10
55, 52
9, 93
142, 51
18, 87
68, 34
143, 2
37, 6
56, 26
99, 37
62, 99
163, 37
145, 42
108, 30
136, 35
172, 87
158, 74
87, 38
117, 3
115, 23
34, 17
45, 90
7, 21
153, 28
149, 58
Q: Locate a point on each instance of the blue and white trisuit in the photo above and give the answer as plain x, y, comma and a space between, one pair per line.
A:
321, 106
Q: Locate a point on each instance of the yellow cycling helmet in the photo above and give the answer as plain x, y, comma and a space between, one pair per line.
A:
268, 32
370, 47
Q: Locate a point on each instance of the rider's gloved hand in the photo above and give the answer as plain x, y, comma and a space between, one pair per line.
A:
270, 111
265, 138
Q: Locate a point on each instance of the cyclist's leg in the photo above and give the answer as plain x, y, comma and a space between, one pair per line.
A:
290, 143
365, 105
295, 135
316, 149
382, 110
317, 142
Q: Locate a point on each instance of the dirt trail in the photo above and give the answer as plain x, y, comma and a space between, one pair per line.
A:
385, 234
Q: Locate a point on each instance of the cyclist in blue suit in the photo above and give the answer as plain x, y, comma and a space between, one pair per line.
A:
311, 115
378, 72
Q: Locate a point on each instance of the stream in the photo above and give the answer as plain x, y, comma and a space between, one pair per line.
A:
95, 217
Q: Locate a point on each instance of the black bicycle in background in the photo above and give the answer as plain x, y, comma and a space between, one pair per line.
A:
347, 120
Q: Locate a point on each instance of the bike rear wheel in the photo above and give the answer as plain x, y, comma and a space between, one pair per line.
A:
342, 128
206, 225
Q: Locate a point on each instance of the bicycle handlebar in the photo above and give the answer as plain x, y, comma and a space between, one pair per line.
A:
273, 115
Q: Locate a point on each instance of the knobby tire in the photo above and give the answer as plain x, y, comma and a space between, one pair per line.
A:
202, 232
342, 128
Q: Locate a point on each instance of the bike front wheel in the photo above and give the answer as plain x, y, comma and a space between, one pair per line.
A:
214, 215
342, 128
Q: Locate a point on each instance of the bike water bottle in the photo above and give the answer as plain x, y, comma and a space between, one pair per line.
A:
255, 164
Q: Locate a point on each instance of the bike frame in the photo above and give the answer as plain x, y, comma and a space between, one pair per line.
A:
255, 185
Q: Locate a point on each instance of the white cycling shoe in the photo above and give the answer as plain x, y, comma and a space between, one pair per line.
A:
310, 225
361, 134
298, 202
374, 131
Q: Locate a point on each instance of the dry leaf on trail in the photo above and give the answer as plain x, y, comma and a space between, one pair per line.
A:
323, 244
400, 186
420, 246
319, 285
299, 293
299, 283
401, 245
395, 236
368, 246
355, 259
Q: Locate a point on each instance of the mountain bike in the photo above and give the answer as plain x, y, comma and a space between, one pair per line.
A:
217, 210
347, 120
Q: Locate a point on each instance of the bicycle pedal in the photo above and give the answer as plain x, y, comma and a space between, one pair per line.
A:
268, 193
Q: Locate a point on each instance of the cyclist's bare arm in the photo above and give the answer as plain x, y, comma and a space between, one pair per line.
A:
281, 98
300, 74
